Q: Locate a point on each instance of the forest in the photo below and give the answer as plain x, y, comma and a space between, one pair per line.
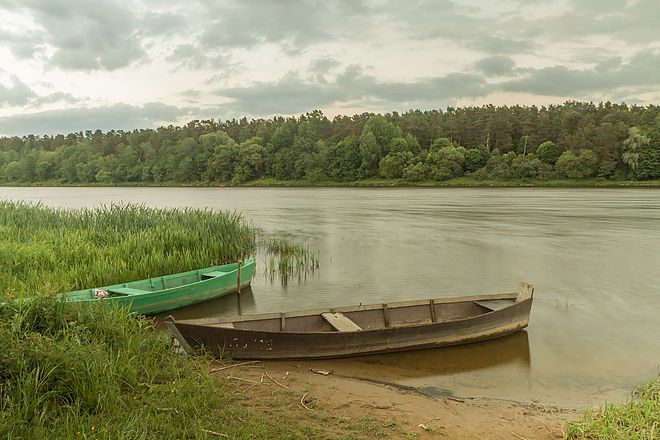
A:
575, 140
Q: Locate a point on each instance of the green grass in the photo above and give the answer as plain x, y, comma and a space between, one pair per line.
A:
638, 419
84, 372
47, 250
74, 372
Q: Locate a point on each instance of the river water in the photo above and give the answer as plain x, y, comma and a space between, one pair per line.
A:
592, 254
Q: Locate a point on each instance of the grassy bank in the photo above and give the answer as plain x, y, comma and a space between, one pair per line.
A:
378, 182
459, 182
73, 372
639, 419
45, 250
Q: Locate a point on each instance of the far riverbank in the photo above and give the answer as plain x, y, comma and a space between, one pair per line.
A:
458, 182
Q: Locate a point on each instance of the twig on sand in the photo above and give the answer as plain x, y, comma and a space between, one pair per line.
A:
214, 370
249, 388
243, 380
302, 402
276, 382
219, 434
455, 399
519, 436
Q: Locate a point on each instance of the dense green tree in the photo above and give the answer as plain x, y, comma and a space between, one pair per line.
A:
416, 172
392, 165
649, 158
445, 163
548, 152
475, 158
440, 143
527, 167
632, 146
580, 166
346, 148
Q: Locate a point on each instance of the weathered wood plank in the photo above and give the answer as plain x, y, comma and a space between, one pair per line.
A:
497, 304
340, 322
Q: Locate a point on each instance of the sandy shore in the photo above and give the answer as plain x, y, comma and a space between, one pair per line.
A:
342, 406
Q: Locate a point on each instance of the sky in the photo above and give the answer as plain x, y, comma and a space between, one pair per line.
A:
71, 65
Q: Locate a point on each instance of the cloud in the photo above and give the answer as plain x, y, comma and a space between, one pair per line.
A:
496, 65
194, 58
641, 71
632, 21
294, 94
83, 35
18, 93
117, 117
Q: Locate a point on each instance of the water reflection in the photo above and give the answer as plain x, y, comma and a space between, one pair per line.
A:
453, 360
227, 305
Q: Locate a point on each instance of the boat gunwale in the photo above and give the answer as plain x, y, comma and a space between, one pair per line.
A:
251, 262
218, 321
363, 331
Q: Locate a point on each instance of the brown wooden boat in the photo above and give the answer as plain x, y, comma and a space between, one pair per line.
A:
359, 330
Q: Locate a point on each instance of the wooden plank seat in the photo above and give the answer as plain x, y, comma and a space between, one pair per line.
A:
340, 322
497, 304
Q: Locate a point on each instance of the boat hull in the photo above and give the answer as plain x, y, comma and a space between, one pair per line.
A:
147, 297
255, 344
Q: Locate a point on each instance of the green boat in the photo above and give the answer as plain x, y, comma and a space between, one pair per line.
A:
168, 292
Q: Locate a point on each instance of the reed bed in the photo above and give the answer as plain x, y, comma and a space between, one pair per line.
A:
287, 259
47, 250
68, 371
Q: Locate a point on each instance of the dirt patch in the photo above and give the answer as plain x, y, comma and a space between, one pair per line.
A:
337, 405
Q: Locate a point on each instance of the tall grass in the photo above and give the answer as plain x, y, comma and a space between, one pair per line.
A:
46, 250
638, 419
287, 259
74, 372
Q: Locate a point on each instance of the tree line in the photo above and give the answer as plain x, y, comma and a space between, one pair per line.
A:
575, 140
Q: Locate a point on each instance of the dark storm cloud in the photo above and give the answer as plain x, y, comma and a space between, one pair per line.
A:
294, 94
118, 117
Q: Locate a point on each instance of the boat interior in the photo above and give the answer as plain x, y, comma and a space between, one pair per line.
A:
368, 317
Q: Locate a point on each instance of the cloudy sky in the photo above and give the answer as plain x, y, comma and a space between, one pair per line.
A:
70, 65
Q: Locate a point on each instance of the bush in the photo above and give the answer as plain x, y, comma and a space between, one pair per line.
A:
577, 166
416, 172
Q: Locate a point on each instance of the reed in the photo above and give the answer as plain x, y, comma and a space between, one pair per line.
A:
68, 371
287, 259
47, 250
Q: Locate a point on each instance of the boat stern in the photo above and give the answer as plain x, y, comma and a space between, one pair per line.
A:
525, 291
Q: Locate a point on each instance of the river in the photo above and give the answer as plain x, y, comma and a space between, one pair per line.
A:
592, 254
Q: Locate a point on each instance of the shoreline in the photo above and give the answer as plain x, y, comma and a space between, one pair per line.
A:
362, 408
459, 182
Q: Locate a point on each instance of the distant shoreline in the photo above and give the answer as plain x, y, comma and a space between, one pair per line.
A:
459, 182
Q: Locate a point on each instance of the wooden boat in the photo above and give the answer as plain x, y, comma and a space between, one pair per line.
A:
169, 292
359, 330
